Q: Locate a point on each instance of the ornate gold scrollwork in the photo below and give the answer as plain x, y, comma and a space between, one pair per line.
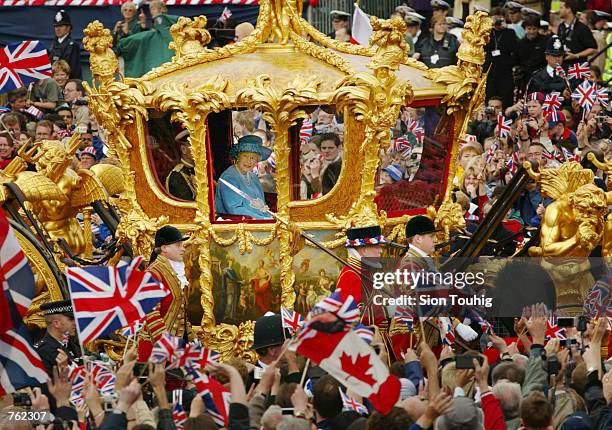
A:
191, 108
376, 100
189, 36
245, 238
282, 110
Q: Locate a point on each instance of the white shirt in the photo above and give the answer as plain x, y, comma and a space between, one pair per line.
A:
550, 71
179, 269
418, 250
61, 39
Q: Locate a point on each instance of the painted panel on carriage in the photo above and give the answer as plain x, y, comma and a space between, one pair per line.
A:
247, 286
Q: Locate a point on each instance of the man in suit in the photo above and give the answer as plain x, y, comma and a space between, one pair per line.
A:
63, 47
57, 346
421, 237
180, 182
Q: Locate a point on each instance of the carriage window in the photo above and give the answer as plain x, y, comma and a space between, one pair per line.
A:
170, 155
412, 169
319, 160
239, 150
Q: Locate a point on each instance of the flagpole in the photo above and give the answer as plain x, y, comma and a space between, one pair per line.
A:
304, 372
127, 342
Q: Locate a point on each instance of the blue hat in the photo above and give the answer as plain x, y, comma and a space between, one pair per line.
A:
395, 171
250, 143
577, 421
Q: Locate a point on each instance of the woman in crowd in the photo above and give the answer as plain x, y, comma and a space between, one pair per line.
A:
439, 48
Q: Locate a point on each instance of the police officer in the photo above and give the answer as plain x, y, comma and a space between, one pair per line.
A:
180, 181
269, 336
56, 346
548, 79
63, 47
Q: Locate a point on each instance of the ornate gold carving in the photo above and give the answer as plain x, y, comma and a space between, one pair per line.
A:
449, 217
245, 238
103, 62
375, 99
281, 109
231, 341
191, 109
189, 36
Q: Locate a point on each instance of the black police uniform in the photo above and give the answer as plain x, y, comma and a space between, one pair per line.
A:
543, 82
546, 79
501, 56
68, 49
48, 346
577, 37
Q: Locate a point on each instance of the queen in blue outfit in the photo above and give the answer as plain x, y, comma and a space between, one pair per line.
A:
246, 154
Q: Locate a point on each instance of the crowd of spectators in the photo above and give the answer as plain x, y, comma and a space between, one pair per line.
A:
531, 383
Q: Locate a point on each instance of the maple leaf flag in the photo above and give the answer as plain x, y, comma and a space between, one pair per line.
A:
350, 360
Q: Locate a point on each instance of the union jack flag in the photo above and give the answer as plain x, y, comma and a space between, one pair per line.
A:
597, 302
216, 397
402, 145
132, 328
485, 325
447, 333
103, 377
77, 375
585, 95
20, 364
578, 71
190, 356
208, 356
346, 310
560, 72
570, 156
602, 95
552, 101
365, 333
225, 15
178, 415
306, 131
491, 151
513, 163
552, 331
350, 404
22, 63
554, 155
403, 316
291, 319
106, 299
165, 349
503, 125
416, 130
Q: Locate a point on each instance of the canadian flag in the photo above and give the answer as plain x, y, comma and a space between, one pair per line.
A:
362, 29
350, 360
